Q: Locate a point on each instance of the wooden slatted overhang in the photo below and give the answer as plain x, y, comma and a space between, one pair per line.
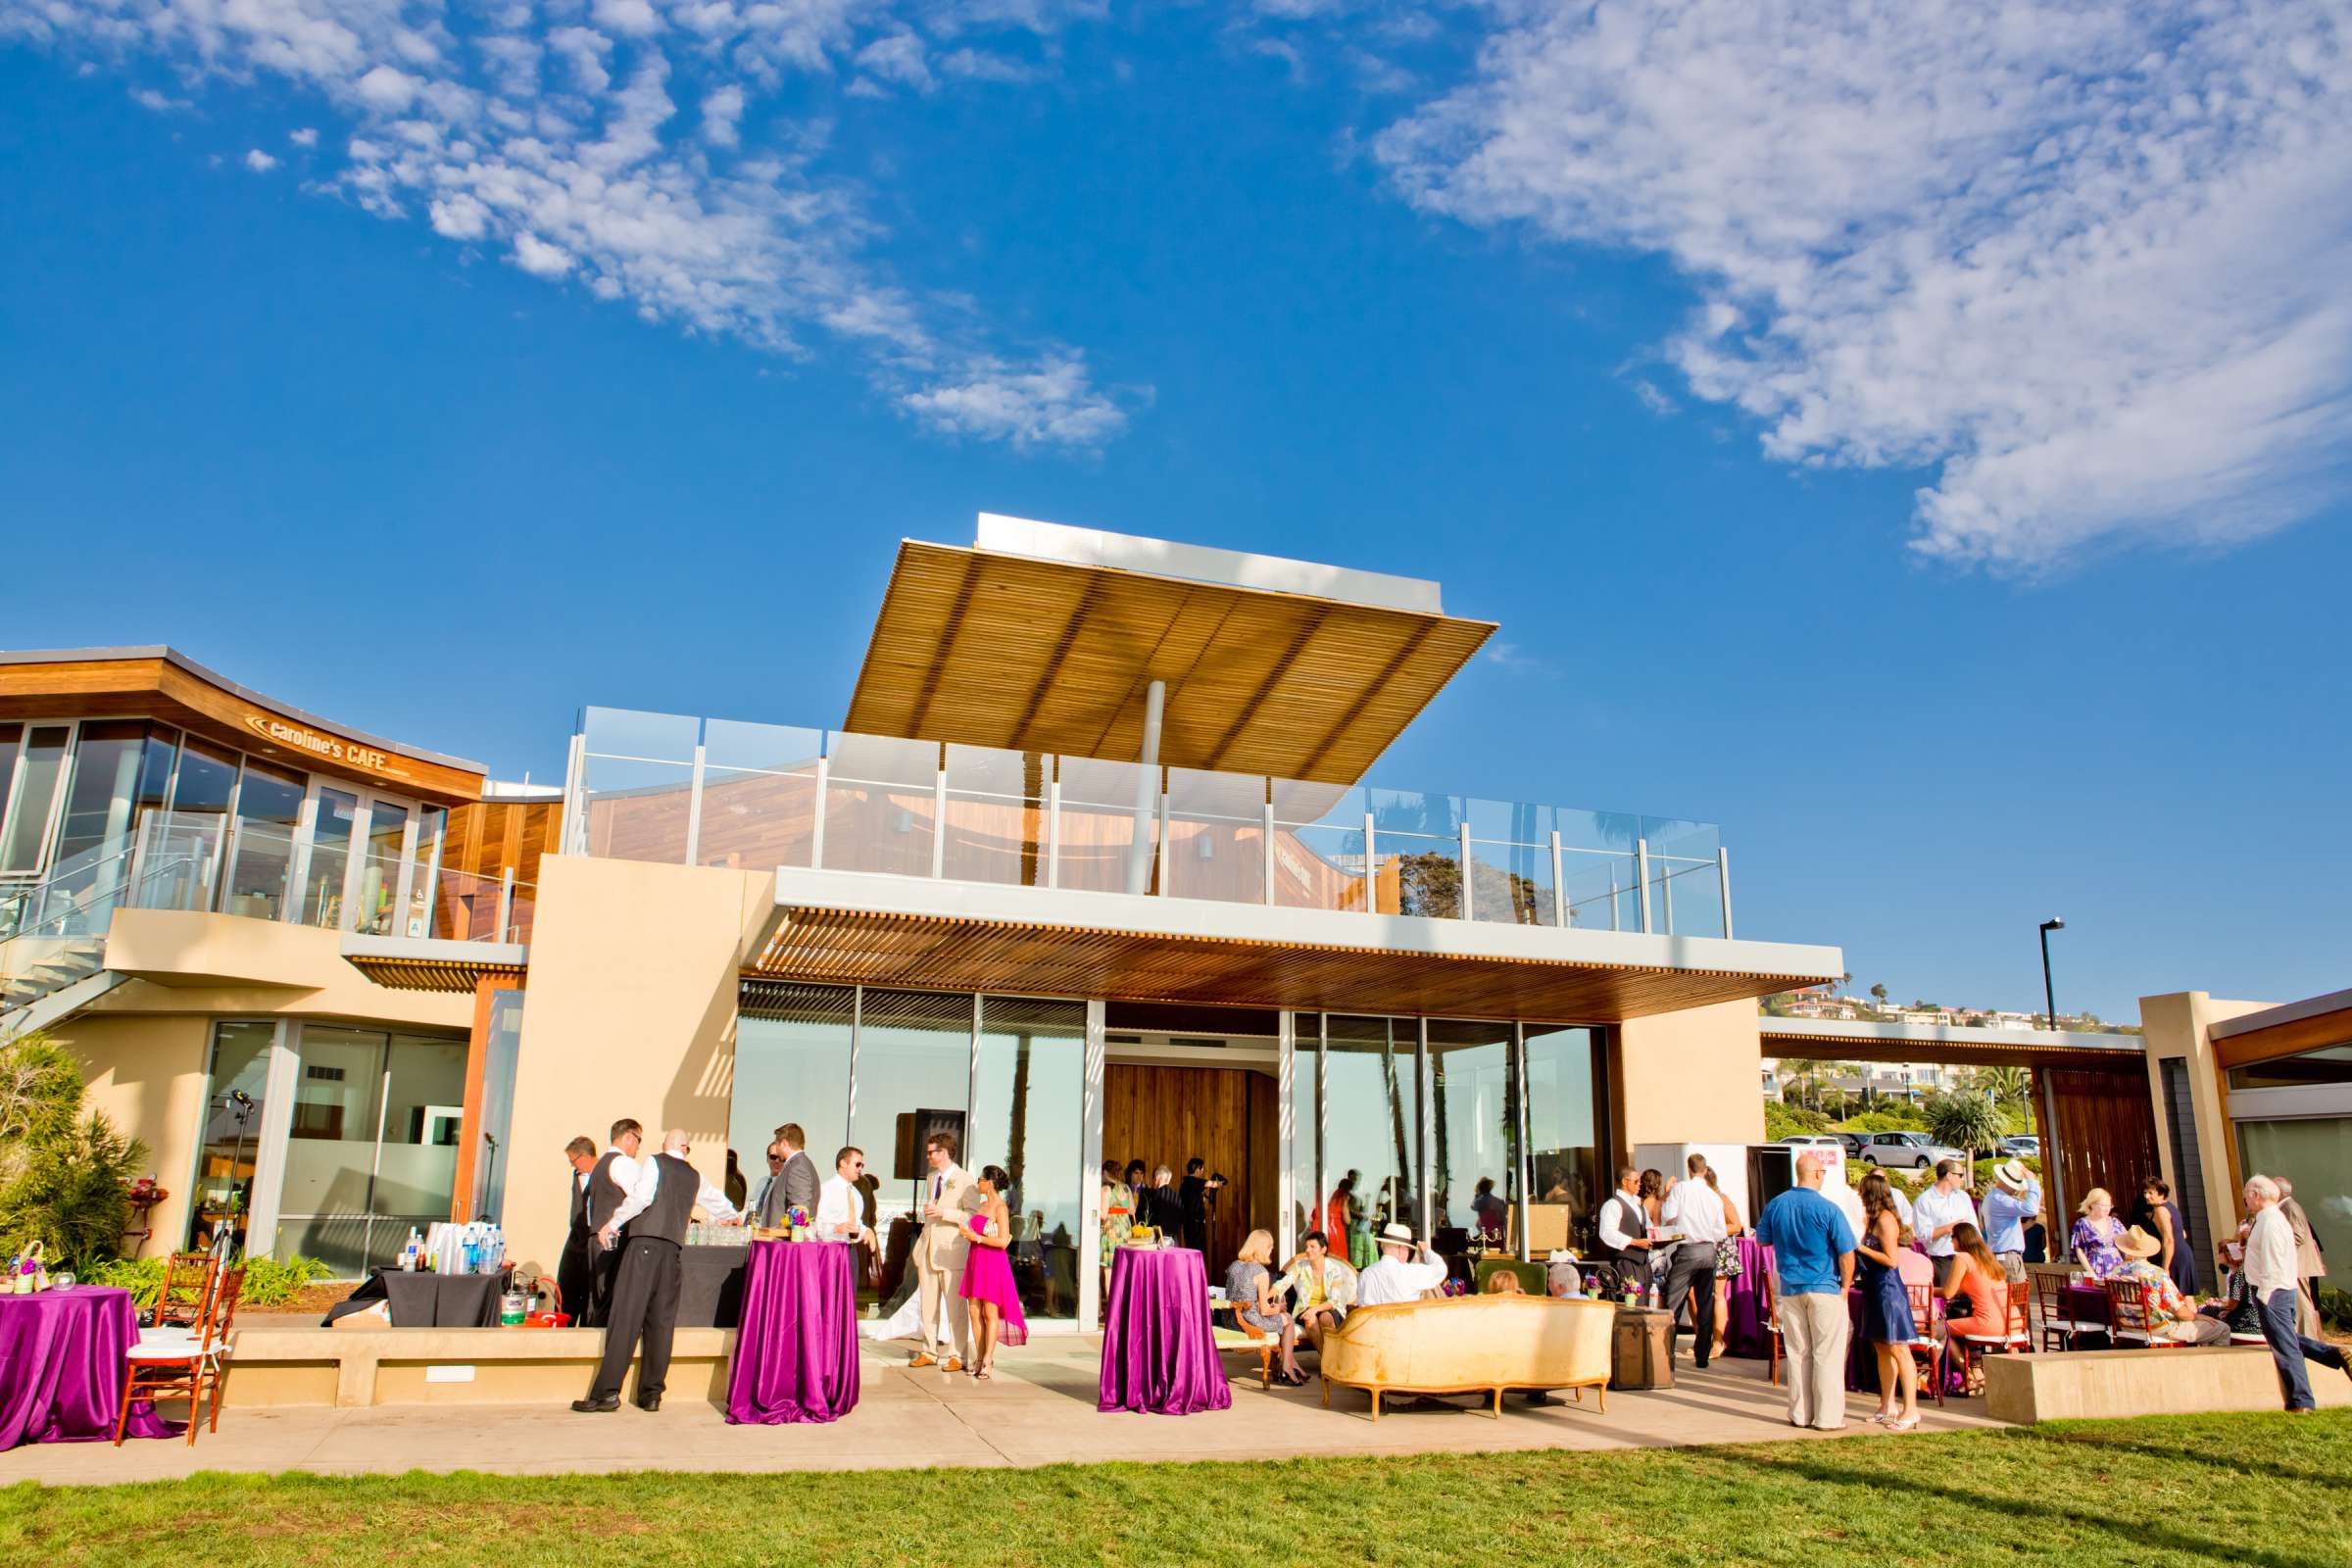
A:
1958, 1053
937, 952
451, 975
986, 649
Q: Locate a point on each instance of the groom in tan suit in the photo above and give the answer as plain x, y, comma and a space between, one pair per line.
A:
939, 1249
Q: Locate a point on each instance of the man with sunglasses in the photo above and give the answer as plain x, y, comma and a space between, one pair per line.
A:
839, 1204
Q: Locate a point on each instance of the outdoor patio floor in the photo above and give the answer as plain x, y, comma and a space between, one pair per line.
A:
1038, 1410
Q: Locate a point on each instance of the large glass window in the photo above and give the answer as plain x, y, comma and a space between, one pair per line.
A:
232, 1132
1564, 1131
502, 1049
791, 1063
338, 814
269, 809
379, 867
1474, 1091
1028, 1115
112, 771
1372, 1120
38, 768
372, 1149
914, 1063
2315, 1154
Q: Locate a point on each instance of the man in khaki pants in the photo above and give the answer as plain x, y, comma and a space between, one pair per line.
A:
1813, 1261
939, 1249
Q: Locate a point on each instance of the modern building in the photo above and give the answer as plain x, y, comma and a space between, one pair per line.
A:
1096, 864
2246, 1087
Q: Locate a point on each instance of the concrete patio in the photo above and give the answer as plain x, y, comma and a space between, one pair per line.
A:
1039, 1410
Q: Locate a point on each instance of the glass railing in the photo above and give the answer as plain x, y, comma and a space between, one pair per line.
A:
753, 797
471, 907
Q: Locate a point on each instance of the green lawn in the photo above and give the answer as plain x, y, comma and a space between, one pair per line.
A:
2258, 1489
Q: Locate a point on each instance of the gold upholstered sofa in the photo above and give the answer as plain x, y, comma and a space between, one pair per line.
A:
1472, 1344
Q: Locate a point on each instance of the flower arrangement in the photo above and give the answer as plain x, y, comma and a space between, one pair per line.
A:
797, 1219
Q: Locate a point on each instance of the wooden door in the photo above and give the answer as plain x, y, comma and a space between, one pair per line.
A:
1168, 1116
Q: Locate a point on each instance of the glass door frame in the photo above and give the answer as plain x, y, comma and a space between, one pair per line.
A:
46, 846
354, 855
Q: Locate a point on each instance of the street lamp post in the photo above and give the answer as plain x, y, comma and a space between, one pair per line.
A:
2049, 998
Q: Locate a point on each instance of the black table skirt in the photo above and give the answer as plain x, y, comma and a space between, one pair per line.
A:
429, 1301
710, 1287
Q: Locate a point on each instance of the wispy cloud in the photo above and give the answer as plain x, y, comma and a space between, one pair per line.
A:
553, 136
2090, 261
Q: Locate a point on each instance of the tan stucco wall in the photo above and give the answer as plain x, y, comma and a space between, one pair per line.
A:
2179, 1025
147, 1074
630, 1011
231, 966
1692, 1077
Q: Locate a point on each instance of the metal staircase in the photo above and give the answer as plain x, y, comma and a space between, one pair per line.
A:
53, 934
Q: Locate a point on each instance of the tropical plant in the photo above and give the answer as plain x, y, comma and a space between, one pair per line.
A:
74, 1193
1964, 1121
40, 1096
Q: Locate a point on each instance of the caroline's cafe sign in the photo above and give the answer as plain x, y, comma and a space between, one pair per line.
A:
317, 745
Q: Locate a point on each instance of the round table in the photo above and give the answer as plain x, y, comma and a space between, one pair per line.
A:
796, 1349
61, 1366
1160, 1355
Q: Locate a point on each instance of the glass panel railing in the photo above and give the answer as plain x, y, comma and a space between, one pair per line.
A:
774, 795
466, 907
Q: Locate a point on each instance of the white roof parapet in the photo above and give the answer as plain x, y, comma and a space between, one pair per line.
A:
1942, 1034
1235, 568
2285, 1012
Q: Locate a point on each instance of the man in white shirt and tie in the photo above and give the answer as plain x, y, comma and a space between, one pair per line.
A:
837, 1202
1396, 1277
1695, 1209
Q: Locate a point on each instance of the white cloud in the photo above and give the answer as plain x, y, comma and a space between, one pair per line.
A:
722, 117
2090, 262
149, 98
260, 161
561, 146
1655, 401
632, 19
977, 65
538, 258
1051, 402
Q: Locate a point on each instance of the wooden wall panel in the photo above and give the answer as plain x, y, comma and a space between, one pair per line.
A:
2106, 1137
1165, 1116
481, 841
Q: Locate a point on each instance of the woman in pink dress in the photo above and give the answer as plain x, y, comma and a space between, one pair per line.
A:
988, 1282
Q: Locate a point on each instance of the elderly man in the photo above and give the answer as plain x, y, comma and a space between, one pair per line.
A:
1813, 1253
650, 1226
2271, 1278
2015, 1199
1939, 1211
2310, 1265
1396, 1277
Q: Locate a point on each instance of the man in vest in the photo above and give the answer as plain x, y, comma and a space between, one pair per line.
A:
577, 1267
610, 1182
650, 1227
1625, 1231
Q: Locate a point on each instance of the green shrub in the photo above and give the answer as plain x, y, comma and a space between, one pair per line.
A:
1901, 1118
2335, 1307
74, 1193
1785, 1121
269, 1282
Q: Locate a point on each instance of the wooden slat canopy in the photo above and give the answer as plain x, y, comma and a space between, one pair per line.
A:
986, 649
430, 974
945, 954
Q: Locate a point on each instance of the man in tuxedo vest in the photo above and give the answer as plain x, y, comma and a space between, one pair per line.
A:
650, 1228
797, 1184
577, 1267
940, 1249
610, 1181
1625, 1231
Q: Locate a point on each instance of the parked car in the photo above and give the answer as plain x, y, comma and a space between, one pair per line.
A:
2022, 1146
1814, 1141
1913, 1150
1854, 1143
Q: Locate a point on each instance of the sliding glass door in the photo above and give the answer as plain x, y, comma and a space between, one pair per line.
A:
373, 1143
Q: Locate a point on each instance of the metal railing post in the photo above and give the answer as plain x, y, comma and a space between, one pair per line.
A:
1054, 831
1265, 820
1371, 879
1723, 881
1642, 874
693, 812
816, 834
506, 903
1559, 893
1463, 834
939, 822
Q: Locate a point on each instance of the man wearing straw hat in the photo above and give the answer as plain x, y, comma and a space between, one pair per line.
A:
1396, 1277
2014, 1202
2171, 1316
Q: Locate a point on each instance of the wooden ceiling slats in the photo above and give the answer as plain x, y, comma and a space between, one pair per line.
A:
947, 953
992, 650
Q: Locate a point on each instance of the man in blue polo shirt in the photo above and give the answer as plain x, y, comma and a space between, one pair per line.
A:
1813, 1260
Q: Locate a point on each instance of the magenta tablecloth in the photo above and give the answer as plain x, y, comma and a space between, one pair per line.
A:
1749, 1331
1158, 1354
2087, 1304
796, 1351
61, 1367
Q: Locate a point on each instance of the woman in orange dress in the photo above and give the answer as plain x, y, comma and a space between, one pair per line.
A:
1977, 1275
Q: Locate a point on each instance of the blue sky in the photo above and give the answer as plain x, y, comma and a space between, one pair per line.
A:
1947, 501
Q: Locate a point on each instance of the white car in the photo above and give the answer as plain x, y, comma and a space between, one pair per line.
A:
1913, 1150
